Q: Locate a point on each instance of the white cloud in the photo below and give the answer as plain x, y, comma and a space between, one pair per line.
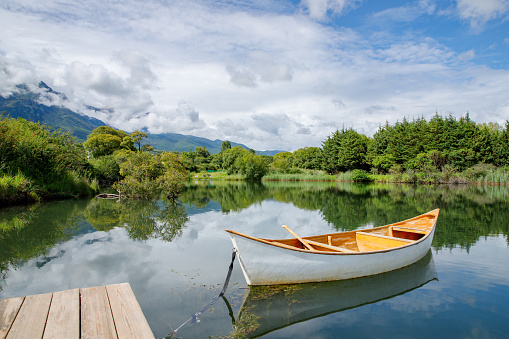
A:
319, 9
479, 12
266, 74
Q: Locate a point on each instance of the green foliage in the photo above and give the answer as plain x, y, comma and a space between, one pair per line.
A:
54, 162
422, 145
137, 137
307, 158
146, 175
143, 220
226, 145
345, 150
106, 168
17, 189
105, 140
360, 176
254, 167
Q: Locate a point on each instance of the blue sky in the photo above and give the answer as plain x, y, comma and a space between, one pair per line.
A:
270, 74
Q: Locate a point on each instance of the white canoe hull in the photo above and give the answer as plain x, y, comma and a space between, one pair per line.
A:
267, 264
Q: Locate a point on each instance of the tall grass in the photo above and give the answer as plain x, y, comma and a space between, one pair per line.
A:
303, 176
73, 184
17, 189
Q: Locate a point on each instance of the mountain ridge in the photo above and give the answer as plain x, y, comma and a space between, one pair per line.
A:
32, 106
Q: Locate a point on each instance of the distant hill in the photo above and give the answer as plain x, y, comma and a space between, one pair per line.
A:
27, 105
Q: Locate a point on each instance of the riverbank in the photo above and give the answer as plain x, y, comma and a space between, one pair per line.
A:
478, 174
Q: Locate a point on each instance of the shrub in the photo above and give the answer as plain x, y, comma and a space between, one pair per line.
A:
360, 176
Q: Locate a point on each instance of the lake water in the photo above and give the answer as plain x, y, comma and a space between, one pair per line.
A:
176, 255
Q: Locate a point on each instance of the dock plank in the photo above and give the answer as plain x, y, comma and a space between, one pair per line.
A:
31, 318
127, 314
64, 316
96, 318
8, 310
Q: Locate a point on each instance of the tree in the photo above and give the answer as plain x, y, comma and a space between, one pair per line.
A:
145, 174
282, 161
307, 157
345, 150
104, 140
137, 136
226, 145
254, 167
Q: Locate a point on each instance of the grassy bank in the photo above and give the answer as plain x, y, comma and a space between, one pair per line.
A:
478, 174
37, 164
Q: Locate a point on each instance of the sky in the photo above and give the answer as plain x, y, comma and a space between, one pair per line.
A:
271, 74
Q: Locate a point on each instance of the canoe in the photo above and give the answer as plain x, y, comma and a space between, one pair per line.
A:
278, 306
334, 256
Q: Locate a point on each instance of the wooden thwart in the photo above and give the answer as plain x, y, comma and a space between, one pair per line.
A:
106, 312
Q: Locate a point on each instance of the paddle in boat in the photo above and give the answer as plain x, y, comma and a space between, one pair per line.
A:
334, 256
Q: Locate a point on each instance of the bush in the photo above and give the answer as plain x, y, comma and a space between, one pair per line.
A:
360, 176
17, 189
146, 175
44, 159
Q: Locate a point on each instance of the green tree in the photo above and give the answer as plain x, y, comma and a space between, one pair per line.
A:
345, 150
254, 167
137, 137
307, 157
104, 140
146, 174
282, 162
226, 145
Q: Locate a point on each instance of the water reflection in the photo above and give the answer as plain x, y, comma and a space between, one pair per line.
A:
143, 220
175, 256
467, 212
269, 308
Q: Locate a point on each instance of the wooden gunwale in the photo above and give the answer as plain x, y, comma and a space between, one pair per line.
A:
278, 242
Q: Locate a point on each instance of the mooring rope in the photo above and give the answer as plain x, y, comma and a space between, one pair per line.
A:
194, 317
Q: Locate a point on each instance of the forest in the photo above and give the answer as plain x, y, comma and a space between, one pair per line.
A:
37, 164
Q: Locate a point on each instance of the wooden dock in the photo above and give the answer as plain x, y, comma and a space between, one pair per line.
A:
109, 312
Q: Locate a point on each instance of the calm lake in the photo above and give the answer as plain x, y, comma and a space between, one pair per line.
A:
176, 255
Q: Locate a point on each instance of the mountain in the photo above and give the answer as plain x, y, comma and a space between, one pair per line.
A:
29, 106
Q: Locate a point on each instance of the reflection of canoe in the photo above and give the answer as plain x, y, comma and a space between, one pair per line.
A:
268, 308
334, 256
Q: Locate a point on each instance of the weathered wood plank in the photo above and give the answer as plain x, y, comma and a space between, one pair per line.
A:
96, 318
8, 310
127, 314
64, 316
31, 318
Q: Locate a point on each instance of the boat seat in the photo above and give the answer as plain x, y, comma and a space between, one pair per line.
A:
329, 247
373, 241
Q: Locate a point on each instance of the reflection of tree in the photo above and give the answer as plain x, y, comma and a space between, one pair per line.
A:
467, 212
233, 196
37, 230
142, 219
103, 214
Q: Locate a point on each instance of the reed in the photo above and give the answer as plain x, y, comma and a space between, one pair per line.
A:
17, 188
305, 176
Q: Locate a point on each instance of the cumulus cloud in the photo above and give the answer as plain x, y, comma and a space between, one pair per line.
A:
263, 73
